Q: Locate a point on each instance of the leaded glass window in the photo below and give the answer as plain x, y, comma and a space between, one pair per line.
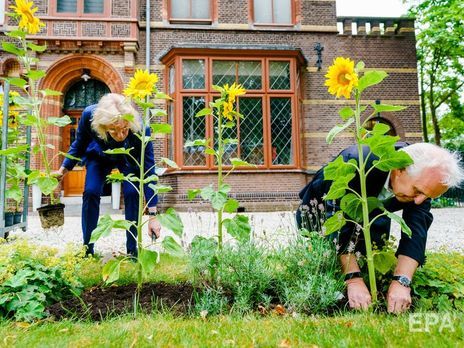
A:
84, 93
193, 74
224, 71
251, 130
279, 75
66, 6
93, 6
250, 74
281, 130
193, 128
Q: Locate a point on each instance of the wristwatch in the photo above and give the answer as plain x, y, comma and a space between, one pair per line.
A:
352, 275
403, 280
153, 213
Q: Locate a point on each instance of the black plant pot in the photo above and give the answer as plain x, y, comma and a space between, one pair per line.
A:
51, 215
9, 219
17, 217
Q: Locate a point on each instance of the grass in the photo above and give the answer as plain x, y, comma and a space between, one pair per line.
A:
164, 330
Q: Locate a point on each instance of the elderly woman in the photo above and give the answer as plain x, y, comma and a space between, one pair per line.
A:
101, 128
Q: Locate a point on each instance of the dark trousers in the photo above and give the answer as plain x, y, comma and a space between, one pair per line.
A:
97, 170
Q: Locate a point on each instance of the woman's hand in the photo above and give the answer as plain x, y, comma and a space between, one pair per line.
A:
154, 228
60, 173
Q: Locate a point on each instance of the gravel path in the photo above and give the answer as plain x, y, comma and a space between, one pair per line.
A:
446, 232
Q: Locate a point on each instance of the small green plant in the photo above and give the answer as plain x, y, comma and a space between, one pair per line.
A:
224, 116
32, 98
141, 87
343, 78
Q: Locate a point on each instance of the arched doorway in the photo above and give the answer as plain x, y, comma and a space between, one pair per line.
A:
82, 93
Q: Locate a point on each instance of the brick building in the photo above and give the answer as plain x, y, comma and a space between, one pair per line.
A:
278, 49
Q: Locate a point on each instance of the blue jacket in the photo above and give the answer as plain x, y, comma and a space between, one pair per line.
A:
89, 146
417, 217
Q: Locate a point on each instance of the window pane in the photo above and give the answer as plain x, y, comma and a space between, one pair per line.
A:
193, 128
171, 115
282, 11
172, 79
279, 75
230, 150
180, 8
251, 130
193, 74
249, 75
262, 11
223, 72
201, 9
84, 93
93, 6
66, 6
281, 131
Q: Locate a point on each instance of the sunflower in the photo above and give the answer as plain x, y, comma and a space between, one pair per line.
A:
28, 22
230, 94
341, 77
141, 85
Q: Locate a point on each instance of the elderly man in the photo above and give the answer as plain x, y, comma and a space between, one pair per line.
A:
410, 189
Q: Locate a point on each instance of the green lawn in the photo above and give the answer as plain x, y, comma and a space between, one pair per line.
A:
163, 330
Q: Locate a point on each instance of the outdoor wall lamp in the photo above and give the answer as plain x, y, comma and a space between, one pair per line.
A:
319, 48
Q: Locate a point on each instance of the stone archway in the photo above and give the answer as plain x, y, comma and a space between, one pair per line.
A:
66, 72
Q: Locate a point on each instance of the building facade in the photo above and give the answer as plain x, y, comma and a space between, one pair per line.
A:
279, 50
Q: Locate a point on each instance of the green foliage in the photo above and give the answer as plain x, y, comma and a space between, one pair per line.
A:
32, 277
302, 276
439, 285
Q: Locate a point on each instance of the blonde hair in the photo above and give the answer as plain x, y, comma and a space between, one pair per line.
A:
426, 155
109, 110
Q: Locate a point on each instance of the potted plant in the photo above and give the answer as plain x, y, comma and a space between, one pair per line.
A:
51, 215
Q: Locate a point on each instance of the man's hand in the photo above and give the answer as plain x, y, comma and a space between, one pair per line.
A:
398, 298
358, 294
154, 228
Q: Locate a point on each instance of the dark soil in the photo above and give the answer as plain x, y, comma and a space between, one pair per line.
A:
100, 303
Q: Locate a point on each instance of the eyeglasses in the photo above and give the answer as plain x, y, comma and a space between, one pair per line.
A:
118, 130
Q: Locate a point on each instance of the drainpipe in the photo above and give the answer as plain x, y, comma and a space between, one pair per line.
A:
147, 39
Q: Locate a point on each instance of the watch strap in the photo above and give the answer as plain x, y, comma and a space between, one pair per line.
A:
352, 275
403, 280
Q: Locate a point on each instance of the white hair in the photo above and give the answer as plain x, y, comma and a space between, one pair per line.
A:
431, 156
110, 109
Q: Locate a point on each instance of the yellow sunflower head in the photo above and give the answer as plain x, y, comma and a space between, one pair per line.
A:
141, 85
230, 93
27, 22
341, 77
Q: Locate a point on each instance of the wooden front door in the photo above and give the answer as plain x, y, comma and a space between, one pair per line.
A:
73, 182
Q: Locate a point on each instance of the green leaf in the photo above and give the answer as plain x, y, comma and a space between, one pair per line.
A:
218, 200
172, 247
238, 228
231, 205
119, 151
116, 177
210, 151
196, 142
103, 229
207, 192
158, 188
128, 118
14, 150
18, 34
123, 224
338, 129
18, 82
359, 66
47, 185
151, 178
387, 107
237, 162
50, 92
110, 271
148, 259
192, 193
204, 112
36, 48
339, 186
161, 95
229, 124
11, 48
381, 129
371, 78
15, 193
169, 162
29, 120
404, 227
35, 74
230, 141
59, 121
225, 188
346, 112
339, 168
384, 261
158, 112
395, 160
161, 128
171, 221
352, 206
334, 223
